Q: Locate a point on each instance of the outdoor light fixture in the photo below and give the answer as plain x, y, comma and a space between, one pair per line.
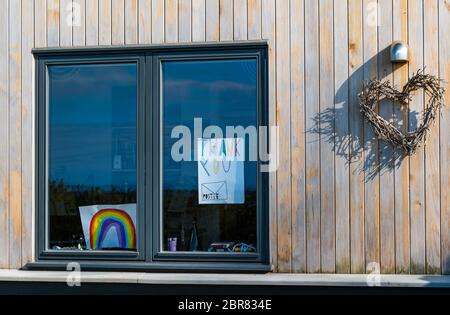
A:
399, 52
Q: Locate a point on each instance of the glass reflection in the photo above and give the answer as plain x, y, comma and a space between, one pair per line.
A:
222, 93
92, 156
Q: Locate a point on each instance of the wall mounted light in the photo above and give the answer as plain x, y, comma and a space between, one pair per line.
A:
399, 52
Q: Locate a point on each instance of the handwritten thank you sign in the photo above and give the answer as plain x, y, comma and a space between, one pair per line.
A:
221, 170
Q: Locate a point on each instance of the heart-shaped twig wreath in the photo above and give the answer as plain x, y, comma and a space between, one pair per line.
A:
384, 130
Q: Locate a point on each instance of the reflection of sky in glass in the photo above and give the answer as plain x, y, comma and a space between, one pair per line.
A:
222, 92
92, 121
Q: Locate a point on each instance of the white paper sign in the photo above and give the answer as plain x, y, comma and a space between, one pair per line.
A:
221, 170
109, 226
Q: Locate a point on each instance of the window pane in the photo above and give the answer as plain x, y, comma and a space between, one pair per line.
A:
92, 156
209, 207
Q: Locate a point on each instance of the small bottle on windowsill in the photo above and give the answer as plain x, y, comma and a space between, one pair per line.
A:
182, 239
193, 246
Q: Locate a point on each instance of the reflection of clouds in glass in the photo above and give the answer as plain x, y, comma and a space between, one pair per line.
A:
221, 92
93, 94
219, 85
63, 72
93, 76
88, 106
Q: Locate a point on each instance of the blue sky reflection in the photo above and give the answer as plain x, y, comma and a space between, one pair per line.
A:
222, 93
92, 121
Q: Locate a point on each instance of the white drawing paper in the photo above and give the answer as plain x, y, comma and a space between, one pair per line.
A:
221, 171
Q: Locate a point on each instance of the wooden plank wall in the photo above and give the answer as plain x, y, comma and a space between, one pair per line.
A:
340, 199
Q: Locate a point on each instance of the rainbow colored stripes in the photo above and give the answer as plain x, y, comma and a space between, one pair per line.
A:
106, 219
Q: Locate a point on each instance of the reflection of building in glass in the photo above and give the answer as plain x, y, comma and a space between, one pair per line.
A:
124, 147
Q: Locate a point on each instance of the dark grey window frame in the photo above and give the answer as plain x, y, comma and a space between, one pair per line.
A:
148, 256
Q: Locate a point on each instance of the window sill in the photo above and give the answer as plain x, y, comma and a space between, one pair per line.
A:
170, 267
268, 279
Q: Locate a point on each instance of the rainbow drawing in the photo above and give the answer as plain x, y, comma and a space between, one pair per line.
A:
109, 218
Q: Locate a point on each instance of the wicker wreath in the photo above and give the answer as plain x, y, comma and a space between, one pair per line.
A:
383, 129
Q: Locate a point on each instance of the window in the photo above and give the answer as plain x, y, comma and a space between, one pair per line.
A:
91, 148
145, 156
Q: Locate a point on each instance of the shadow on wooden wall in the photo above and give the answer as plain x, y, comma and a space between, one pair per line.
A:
353, 146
